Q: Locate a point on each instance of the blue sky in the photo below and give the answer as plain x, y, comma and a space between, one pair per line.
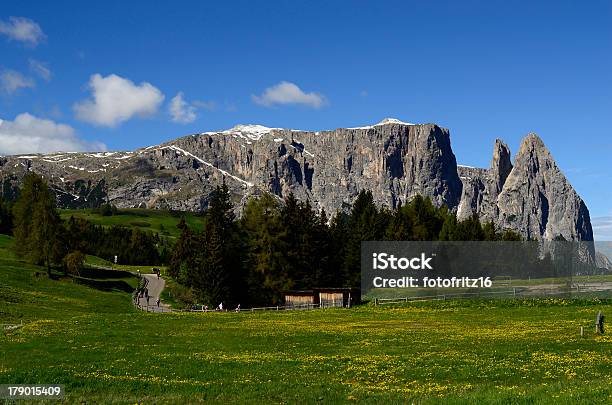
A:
483, 69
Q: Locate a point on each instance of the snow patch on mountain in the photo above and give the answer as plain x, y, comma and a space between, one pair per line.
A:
251, 131
184, 152
386, 121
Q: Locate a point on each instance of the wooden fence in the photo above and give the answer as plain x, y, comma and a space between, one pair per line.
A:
514, 293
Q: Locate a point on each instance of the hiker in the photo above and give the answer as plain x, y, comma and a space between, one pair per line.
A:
220, 307
238, 308
205, 308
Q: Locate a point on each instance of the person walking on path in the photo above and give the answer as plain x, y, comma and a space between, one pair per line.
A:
149, 297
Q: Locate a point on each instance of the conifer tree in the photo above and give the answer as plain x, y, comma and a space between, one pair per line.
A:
212, 282
427, 223
490, 233
400, 226
339, 234
218, 271
322, 249
449, 228
183, 255
294, 221
38, 227
470, 229
362, 226
266, 260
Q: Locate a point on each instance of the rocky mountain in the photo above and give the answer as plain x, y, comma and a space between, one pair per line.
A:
393, 159
532, 196
603, 254
602, 261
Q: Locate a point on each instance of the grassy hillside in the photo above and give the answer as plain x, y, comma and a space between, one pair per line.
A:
90, 338
27, 294
94, 261
162, 222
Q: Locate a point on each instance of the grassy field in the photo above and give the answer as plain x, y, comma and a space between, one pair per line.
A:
95, 261
90, 338
162, 222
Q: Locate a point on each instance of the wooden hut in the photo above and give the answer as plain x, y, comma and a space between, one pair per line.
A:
322, 297
299, 299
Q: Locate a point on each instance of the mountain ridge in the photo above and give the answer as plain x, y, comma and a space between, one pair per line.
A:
393, 159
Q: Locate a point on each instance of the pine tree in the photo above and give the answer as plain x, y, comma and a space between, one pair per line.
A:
510, 235
266, 260
212, 281
38, 227
470, 229
490, 233
221, 211
294, 223
322, 272
183, 255
219, 271
449, 228
427, 223
339, 235
362, 226
400, 226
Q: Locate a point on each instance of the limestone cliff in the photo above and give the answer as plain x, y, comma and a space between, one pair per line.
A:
393, 159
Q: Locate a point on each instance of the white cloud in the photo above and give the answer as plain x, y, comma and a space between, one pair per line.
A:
29, 134
205, 105
288, 93
182, 111
40, 69
22, 29
116, 99
11, 81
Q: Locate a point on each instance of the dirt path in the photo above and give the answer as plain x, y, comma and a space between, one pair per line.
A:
155, 286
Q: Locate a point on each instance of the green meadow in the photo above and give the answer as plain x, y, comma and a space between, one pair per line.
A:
162, 222
84, 333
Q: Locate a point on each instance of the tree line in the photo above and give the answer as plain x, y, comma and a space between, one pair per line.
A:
43, 238
281, 245
276, 245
